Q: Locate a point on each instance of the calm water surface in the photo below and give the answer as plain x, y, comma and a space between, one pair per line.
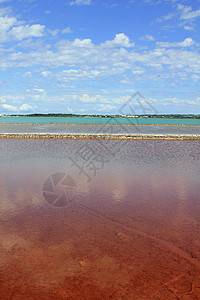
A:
98, 120
99, 219
100, 129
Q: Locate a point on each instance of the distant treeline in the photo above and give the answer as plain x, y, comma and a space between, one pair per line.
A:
62, 115
170, 116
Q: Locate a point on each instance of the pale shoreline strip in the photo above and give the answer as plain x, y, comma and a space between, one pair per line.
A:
106, 124
100, 136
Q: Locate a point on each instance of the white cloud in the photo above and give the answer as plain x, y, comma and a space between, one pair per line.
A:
166, 17
195, 77
10, 107
186, 12
82, 43
120, 40
46, 73
28, 74
81, 2
91, 98
66, 30
5, 11
36, 89
183, 14
147, 37
105, 108
69, 66
6, 24
188, 42
2, 100
83, 60
39, 90
187, 27
27, 107
86, 98
154, 2
23, 107
54, 32
22, 32
12, 30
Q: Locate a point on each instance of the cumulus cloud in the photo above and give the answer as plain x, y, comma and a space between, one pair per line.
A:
120, 40
83, 60
27, 107
12, 30
10, 107
82, 43
6, 23
69, 63
188, 42
22, 32
23, 107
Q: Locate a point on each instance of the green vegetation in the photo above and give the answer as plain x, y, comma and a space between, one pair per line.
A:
60, 115
167, 116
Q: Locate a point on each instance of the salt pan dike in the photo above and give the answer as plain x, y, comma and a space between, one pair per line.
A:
103, 131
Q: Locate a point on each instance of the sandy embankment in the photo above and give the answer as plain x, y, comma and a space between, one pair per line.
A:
100, 136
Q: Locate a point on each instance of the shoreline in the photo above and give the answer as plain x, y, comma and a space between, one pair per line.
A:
100, 136
106, 124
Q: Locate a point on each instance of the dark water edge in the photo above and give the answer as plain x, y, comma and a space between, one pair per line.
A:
129, 230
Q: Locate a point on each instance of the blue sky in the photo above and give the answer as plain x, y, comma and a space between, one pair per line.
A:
91, 56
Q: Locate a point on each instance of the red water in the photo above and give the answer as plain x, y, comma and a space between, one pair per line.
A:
131, 232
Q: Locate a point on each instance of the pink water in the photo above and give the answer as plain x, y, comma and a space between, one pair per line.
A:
130, 230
